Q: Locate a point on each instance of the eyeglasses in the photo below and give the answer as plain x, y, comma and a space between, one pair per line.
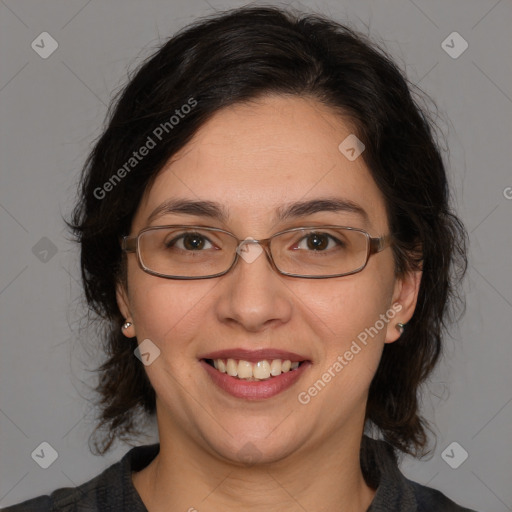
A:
198, 252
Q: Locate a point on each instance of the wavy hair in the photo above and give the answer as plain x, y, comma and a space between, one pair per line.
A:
238, 56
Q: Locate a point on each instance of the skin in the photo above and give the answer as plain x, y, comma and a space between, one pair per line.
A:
253, 158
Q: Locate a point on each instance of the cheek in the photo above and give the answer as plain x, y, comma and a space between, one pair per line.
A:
352, 342
356, 313
351, 305
168, 311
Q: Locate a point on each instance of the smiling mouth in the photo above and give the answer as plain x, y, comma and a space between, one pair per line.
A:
262, 370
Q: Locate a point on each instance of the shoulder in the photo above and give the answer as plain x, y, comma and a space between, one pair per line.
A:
393, 490
429, 499
67, 499
111, 490
40, 504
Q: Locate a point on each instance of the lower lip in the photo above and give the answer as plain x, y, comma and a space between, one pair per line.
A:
254, 390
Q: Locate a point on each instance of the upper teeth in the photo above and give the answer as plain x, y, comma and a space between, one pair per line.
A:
260, 370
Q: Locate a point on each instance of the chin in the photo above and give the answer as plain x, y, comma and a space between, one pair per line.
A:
249, 451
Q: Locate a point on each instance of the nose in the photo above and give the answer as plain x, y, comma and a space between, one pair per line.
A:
254, 295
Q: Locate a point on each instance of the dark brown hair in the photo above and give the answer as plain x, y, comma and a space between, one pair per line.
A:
238, 56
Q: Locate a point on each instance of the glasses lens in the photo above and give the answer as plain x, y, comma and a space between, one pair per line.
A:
320, 251
186, 252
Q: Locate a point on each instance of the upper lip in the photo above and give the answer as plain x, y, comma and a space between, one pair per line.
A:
253, 356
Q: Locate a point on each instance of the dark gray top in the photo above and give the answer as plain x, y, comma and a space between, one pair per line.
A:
113, 489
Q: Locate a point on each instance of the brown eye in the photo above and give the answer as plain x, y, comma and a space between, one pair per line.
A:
189, 242
318, 242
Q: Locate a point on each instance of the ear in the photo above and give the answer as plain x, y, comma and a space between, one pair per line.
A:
123, 303
405, 295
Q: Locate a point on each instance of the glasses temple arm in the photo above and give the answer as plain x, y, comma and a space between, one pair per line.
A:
129, 243
378, 244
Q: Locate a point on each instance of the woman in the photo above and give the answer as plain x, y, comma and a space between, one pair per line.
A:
266, 231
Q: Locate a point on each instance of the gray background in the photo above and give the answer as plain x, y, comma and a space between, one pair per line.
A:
52, 109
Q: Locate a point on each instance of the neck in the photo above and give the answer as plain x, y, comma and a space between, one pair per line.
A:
184, 476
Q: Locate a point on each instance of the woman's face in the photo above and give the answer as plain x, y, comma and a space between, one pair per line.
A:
252, 159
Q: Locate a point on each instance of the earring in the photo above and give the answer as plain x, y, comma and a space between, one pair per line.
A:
400, 327
126, 325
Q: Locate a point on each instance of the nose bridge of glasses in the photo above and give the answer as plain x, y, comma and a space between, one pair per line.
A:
250, 250
252, 241
243, 248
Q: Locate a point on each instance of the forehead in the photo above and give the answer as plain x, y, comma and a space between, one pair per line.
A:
255, 157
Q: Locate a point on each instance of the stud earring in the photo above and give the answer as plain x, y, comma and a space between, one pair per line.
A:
126, 325
400, 327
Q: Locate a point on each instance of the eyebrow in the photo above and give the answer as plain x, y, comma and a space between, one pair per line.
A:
289, 211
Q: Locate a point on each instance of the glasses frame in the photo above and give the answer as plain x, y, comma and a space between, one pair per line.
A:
130, 244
